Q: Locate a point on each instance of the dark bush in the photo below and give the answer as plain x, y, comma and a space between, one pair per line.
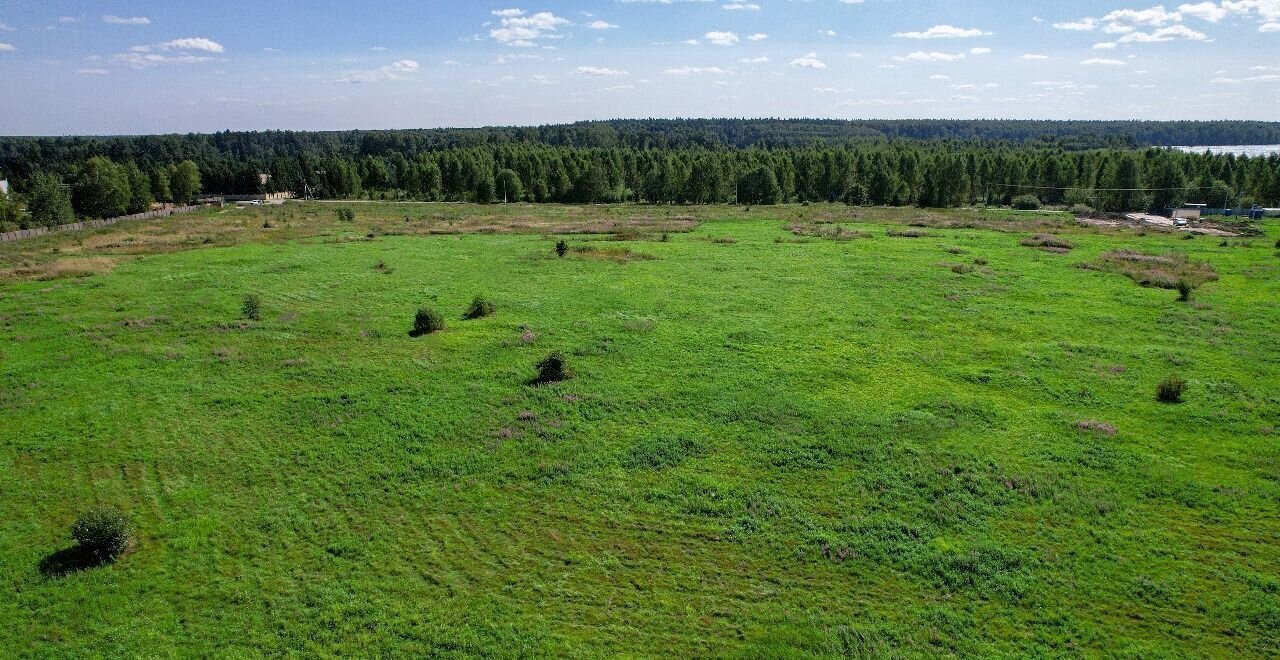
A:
103, 533
562, 248
346, 215
1170, 390
480, 308
252, 307
1184, 290
553, 369
1026, 203
427, 321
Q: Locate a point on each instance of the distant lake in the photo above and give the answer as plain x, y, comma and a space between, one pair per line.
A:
1239, 149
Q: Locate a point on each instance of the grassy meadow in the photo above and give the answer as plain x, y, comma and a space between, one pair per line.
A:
794, 432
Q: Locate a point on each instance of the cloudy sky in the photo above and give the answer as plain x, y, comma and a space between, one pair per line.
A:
151, 66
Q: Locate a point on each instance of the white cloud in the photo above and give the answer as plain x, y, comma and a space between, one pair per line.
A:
1104, 45
943, 32
922, 56
599, 72
120, 20
1082, 25
1269, 27
754, 60
721, 38
7, 48
695, 70
1170, 33
809, 61
394, 71
1205, 11
1154, 17
741, 6
1035, 56
979, 51
5, 27
939, 76
600, 25
759, 36
191, 43
520, 29
93, 72
1098, 61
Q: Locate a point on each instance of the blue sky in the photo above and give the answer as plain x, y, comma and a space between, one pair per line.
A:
78, 67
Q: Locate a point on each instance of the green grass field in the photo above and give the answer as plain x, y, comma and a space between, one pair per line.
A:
779, 443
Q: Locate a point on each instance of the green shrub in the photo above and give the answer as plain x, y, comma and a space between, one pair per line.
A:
562, 248
480, 308
346, 215
1026, 203
553, 369
252, 307
1184, 290
103, 532
1170, 389
427, 321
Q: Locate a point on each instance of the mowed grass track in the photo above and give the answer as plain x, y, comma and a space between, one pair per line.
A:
804, 447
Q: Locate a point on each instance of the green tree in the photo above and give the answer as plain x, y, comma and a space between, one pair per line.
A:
9, 213
102, 189
160, 185
140, 197
49, 202
759, 186
184, 182
509, 187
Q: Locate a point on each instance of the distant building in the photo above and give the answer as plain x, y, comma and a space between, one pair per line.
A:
4, 186
1189, 212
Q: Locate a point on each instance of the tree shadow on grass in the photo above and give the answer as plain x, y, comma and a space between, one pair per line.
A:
70, 560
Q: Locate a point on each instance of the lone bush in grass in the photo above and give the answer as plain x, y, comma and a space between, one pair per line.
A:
1026, 203
427, 321
103, 533
553, 369
252, 308
1170, 390
346, 215
480, 308
1184, 290
562, 248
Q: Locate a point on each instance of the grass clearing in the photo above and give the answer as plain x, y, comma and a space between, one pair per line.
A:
783, 446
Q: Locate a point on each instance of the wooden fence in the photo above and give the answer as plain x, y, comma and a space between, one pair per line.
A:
89, 224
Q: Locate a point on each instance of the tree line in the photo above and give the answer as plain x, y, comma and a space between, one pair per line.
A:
100, 177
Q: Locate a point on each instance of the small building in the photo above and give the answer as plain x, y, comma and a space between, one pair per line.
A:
1189, 212
4, 186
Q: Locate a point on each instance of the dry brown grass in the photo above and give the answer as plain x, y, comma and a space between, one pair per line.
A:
1163, 271
829, 232
1049, 243
614, 254
60, 268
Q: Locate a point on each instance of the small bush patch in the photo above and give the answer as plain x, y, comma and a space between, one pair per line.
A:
1026, 203
103, 533
553, 369
252, 307
480, 308
907, 233
1170, 390
562, 248
346, 215
426, 321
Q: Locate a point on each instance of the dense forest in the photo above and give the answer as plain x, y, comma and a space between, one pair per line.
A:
1114, 166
